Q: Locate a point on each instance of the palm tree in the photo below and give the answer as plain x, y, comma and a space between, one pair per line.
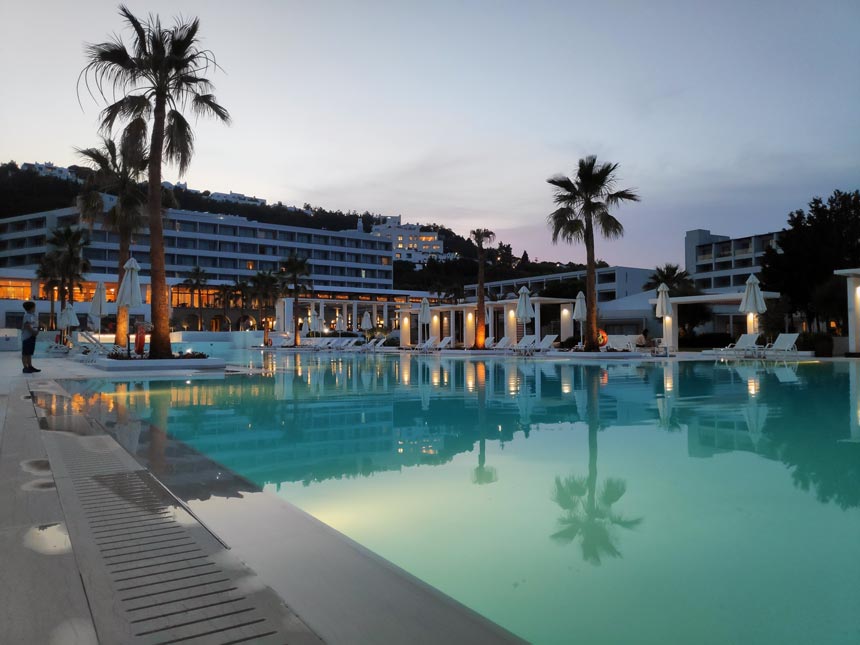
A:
588, 515
49, 274
163, 74
195, 281
294, 270
224, 297
584, 204
672, 276
266, 288
480, 236
68, 245
118, 171
241, 290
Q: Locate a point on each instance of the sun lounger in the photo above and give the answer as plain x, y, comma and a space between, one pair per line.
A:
526, 345
545, 344
784, 345
503, 345
617, 343
744, 346
488, 342
427, 345
444, 344
372, 345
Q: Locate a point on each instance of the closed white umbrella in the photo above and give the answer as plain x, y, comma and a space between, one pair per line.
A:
753, 301
129, 289
423, 317
98, 305
366, 322
288, 317
664, 307
315, 324
525, 311
68, 317
752, 304
340, 323
580, 312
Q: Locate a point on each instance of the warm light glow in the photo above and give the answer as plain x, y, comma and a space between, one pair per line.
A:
565, 312
752, 386
469, 317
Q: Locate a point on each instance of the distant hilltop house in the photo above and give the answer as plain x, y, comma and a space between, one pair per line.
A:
409, 243
47, 169
181, 185
237, 198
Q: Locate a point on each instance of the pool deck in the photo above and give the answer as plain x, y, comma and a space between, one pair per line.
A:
95, 549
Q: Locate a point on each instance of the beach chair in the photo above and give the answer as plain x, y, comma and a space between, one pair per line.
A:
617, 343
746, 344
784, 345
488, 342
372, 345
444, 344
545, 344
427, 345
347, 344
526, 345
503, 345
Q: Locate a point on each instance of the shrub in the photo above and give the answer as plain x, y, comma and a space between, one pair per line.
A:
819, 342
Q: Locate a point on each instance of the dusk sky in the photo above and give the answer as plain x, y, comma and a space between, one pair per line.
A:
722, 115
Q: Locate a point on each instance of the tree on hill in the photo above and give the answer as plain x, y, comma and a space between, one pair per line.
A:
816, 242
481, 236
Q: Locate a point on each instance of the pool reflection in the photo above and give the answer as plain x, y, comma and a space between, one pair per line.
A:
310, 418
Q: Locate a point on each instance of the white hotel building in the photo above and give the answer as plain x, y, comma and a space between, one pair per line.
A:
354, 269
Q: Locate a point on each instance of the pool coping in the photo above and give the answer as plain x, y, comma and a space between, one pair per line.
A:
371, 589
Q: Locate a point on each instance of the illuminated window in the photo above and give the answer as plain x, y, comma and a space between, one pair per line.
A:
249, 265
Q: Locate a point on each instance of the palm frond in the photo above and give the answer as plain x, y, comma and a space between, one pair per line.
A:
132, 106
566, 226
612, 491
178, 140
626, 195
139, 31
205, 105
609, 227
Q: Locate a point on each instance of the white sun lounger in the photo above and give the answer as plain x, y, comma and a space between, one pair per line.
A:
503, 345
617, 343
526, 345
744, 345
488, 342
545, 344
784, 345
427, 345
444, 343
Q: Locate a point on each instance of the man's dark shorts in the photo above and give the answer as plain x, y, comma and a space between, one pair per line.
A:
28, 346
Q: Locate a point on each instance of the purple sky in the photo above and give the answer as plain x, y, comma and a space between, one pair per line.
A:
722, 115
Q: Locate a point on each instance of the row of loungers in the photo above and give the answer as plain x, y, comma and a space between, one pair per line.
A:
527, 345
747, 347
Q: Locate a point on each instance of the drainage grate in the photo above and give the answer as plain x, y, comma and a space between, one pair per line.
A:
153, 574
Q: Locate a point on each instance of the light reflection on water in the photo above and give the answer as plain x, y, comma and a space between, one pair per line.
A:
603, 503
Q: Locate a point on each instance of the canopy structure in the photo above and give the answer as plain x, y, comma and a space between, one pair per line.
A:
853, 286
670, 326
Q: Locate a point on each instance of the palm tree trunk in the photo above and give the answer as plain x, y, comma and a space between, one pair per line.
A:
480, 322
590, 290
121, 338
200, 310
159, 346
52, 324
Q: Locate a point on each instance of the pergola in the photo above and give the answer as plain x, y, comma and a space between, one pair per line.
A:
670, 327
853, 286
440, 313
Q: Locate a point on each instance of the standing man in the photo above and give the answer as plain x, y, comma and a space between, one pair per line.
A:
29, 331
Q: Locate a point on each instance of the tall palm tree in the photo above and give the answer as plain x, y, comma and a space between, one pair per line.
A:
195, 281
50, 276
588, 516
163, 74
294, 270
68, 244
119, 169
266, 288
241, 291
224, 297
584, 204
672, 276
481, 236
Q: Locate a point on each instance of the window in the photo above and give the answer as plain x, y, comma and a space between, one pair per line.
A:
228, 247
210, 229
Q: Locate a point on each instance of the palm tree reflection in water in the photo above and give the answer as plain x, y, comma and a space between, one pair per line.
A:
588, 514
482, 474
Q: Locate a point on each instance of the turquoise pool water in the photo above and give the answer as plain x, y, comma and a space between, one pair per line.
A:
614, 503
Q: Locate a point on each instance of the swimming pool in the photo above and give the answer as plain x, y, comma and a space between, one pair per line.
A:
646, 503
